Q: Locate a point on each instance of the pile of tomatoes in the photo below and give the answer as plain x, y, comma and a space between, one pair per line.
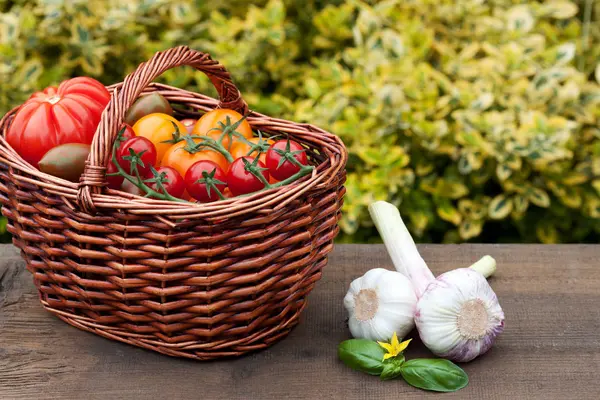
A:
209, 159
155, 154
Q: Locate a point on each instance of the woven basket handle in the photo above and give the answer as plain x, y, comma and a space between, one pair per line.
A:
94, 176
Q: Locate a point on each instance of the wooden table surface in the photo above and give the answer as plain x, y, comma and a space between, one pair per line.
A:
549, 350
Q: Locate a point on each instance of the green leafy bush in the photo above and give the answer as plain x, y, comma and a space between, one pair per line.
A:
480, 119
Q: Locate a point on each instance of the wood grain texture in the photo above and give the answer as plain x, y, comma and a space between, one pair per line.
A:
549, 350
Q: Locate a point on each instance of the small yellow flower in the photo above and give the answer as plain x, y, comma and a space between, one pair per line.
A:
394, 348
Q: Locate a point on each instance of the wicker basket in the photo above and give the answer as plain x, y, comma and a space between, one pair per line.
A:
190, 280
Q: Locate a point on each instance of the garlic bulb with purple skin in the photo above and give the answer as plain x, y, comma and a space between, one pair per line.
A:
458, 315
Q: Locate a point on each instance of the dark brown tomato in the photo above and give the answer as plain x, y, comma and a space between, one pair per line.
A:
145, 105
66, 161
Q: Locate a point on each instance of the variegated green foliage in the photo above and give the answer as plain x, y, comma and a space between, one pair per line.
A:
480, 119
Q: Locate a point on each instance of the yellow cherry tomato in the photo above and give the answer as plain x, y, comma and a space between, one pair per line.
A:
181, 159
158, 128
208, 125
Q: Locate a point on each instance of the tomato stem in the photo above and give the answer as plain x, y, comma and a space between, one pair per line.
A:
175, 136
211, 182
119, 138
255, 170
221, 149
289, 155
304, 170
193, 147
219, 193
264, 181
230, 131
260, 147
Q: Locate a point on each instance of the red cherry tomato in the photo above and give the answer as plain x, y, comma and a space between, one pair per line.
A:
288, 168
189, 124
196, 181
128, 133
143, 148
239, 178
114, 182
173, 182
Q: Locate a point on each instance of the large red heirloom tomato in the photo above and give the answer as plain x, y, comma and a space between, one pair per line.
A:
67, 114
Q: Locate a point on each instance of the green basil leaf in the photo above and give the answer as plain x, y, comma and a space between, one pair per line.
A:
438, 375
362, 355
392, 368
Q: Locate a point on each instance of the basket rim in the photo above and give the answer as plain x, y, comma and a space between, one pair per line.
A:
322, 176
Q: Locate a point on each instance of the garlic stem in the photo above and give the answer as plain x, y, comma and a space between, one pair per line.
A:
486, 266
400, 245
403, 251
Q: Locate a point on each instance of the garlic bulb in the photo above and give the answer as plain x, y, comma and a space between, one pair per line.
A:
380, 303
458, 316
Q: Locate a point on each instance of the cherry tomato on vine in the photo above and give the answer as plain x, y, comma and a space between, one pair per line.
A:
201, 180
189, 124
280, 167
213, 123
114, 182
242, 149
182, 156
159, 129
144, 153
170, 179
239, 178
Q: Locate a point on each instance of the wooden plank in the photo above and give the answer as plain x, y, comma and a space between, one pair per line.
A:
550, 349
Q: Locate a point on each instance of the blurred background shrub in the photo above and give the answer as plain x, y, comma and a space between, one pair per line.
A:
479, 119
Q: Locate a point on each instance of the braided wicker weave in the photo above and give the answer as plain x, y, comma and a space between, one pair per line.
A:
189, 280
